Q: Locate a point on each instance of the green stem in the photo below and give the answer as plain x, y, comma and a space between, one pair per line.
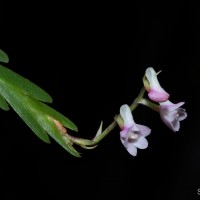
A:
87, 142
150, 104
134, 105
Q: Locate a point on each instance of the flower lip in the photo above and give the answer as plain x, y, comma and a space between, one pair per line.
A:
158, 95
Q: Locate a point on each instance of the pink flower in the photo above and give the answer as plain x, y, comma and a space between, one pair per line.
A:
155, 91
171, 114
132, 135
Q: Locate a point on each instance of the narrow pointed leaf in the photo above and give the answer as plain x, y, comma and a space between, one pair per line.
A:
19, 103
37, 116
3, 57
25, 86
56, 115
3, 104
53, 131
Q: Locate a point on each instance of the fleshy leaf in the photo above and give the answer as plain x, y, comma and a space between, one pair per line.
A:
25, 86
3, 104
3, 57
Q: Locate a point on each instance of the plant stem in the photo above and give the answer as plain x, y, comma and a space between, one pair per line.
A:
150, 104
86, 142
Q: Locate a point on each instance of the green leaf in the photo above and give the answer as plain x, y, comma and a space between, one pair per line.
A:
25, 86
18, 103
38, 116
45, 117
3, 57
47, 110
58, 116
53, 131
3, 104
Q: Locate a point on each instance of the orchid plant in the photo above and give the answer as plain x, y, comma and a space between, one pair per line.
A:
30, 102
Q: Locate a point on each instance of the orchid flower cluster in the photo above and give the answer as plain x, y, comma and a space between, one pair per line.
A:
133, 135
30, 102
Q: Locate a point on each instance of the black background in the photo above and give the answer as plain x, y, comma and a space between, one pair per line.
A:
91, 59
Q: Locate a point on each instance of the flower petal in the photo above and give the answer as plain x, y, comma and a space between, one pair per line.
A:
176, 125
144, 130
141, 143
132, 149
124, 141
152, 77
171, 114
126, 115
124, 133
129, 146
171, 122
182, 114
171, 106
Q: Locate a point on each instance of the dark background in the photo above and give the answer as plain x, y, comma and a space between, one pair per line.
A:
91, 59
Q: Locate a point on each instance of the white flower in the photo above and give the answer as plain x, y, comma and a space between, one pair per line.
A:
171, 114
132, 135
155, 91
